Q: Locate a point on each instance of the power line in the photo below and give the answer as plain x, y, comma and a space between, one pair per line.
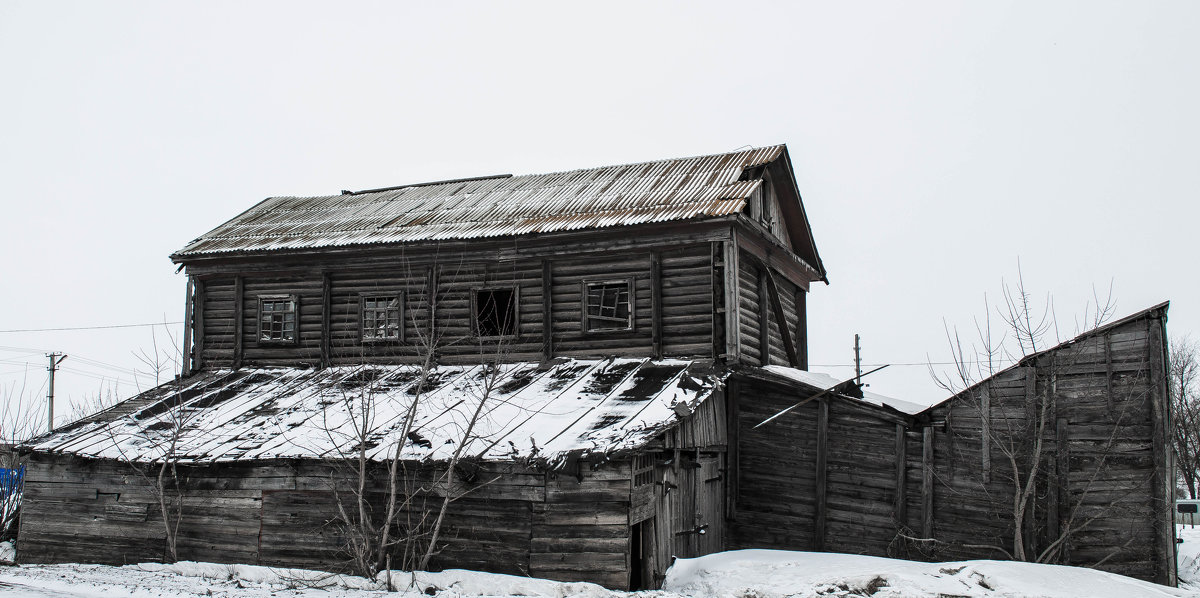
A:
109, 327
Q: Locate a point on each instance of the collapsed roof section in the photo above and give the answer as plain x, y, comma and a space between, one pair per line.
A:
521, 411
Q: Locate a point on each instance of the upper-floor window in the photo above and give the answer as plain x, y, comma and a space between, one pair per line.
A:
382, 318
494, 311
608, 305
277, 319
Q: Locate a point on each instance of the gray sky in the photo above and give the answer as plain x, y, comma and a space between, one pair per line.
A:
935, 144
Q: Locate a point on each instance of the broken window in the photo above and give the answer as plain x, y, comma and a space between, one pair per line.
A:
608, 305
382, 318
495, 311
277, 318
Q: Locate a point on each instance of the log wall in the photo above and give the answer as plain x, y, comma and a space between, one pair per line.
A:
571, 526
672, 301
769, 315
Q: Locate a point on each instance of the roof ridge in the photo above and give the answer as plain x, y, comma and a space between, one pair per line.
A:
344, 192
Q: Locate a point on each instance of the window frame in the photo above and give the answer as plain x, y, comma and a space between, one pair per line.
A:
294, 300
401, 308
583, 304
516, 311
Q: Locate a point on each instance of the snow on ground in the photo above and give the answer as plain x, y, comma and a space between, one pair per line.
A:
735, 574
1187, 555
778, 573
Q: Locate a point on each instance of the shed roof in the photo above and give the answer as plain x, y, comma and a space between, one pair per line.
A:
660, 191
533, 412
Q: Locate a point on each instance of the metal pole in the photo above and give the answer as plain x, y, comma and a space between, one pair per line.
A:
55, 359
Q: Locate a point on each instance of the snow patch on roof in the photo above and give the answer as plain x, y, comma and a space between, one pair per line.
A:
516, 411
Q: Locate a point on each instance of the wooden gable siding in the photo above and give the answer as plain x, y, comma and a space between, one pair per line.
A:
566, 526
227, 328
838, 475
1104, 454
762, 341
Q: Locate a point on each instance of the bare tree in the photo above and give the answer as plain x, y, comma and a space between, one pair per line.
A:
403, 524
156, 457
1020, 437
1185, 408
20, 420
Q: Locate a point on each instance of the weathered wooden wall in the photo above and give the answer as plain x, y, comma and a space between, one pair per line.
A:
836, 474
822, 477
1100, 408
679, 277
770, 319
672, 300
679, 494
571, 526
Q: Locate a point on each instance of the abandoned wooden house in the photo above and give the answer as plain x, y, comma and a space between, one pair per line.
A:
591, 349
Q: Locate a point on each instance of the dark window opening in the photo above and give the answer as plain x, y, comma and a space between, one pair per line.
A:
608, 306
495, 312
277, 319
382, 318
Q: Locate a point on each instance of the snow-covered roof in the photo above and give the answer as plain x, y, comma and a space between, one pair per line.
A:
522, 411
660, 191
824, 381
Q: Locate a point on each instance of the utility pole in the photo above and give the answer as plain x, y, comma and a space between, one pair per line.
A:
55, 359
857, 362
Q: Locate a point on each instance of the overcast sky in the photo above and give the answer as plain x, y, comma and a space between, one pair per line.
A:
935, 145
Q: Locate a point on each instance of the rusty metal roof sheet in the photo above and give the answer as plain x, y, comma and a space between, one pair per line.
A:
523, 411
666, 190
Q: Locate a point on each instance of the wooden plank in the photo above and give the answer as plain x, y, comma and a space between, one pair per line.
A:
720, 319
927, 482
188, 325
732, 350
1161, 483
198, 338
764, 319
821, 473
802, 328
238, 300
900, 506
326, 314
1108, 378
780, 318
656, 305
985, 441
547, 310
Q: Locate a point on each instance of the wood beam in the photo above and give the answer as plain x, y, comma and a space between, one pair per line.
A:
764, 320
927, 464
239, 288
656, 304
185, 368
780, 319
822, 474
547, 310
900, 506
802, 328
198, 339
326, 317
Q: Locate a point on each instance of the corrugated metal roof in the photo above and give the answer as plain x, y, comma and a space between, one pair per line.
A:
666, 190
531, 413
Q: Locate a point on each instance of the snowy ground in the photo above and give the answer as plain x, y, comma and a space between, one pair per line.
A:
737, 574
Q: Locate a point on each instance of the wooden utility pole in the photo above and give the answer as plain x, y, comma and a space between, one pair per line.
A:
55, 359
857, 362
